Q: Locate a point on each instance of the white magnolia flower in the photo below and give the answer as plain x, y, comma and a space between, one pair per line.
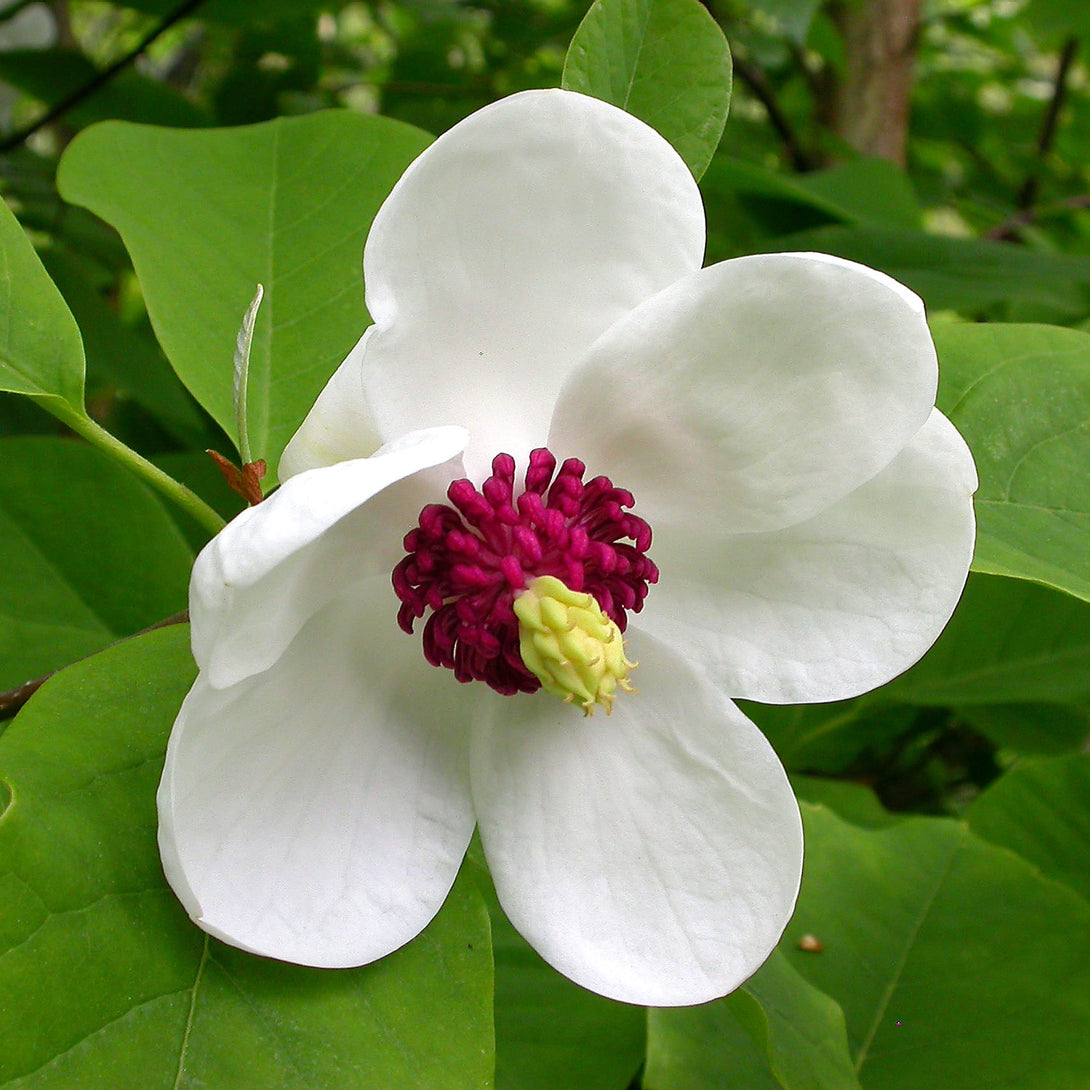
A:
535, 281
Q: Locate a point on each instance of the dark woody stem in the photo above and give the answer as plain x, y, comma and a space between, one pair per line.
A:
12, 701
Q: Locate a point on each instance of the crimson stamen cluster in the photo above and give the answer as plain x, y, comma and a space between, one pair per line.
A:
467, 561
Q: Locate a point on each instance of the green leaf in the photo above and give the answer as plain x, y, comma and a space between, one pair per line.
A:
664, 61
1056, 19
790, 17
703, 1048
850, 801
88, 553
955, 273
1041, 810
42, 354
956, 964
1009, 641
109, 984
1030, 728
551, 1033
209, 214
799, 1030
1020, 395
50, 75
828, 737
126, 359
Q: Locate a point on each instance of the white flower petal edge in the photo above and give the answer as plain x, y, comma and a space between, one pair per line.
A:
505, 249
652, 856
338, 426
754, 393
318, 812
835, 606
266, 573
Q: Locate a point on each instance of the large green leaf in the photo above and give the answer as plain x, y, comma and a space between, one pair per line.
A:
550, 1032
88, 555
1009, 641
41, 353
862, 191
704, 1048
791, 17
127, 360
1020, 395
208, 214
105, 983
956, 964
1031, 728
955, 273
1041, 809
799, 1031
665, 61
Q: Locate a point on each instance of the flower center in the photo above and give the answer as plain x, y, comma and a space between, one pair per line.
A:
479, 566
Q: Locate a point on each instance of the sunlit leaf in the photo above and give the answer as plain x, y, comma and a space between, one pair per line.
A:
956, 964
42, 354
105, 981
208, 215
799, 1030
666, 61
1020, 395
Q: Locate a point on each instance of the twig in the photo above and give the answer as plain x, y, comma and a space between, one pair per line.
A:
1009, 227
12, 701
99, 80
755, 80
1027, 193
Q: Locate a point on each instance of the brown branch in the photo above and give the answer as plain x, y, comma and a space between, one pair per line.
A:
12, 701
1009, 228
757, 82
80, 94
1027, 193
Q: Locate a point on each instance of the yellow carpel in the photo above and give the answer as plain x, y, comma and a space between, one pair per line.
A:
574, 649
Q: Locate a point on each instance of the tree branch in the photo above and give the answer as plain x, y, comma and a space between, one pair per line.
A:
1010, 227
757, 82
12, 701
1027, 193
80, 94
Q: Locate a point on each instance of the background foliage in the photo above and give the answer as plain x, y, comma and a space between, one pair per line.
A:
943, 933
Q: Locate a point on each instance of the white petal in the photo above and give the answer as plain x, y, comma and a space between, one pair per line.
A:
266, 573
835, 606
338, 426
318, 812
652, 856
506, 248
754, 393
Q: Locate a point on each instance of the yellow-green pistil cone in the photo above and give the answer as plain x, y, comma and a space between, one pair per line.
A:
571, 646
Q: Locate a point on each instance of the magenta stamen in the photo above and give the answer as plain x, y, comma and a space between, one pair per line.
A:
467, 561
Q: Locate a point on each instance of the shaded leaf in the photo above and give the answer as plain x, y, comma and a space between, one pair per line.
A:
1008, 641
88, 554
1041, 810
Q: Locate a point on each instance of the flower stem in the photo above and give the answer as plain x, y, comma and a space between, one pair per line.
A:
162, 482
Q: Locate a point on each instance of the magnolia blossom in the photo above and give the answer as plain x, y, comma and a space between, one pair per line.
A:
560, 427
